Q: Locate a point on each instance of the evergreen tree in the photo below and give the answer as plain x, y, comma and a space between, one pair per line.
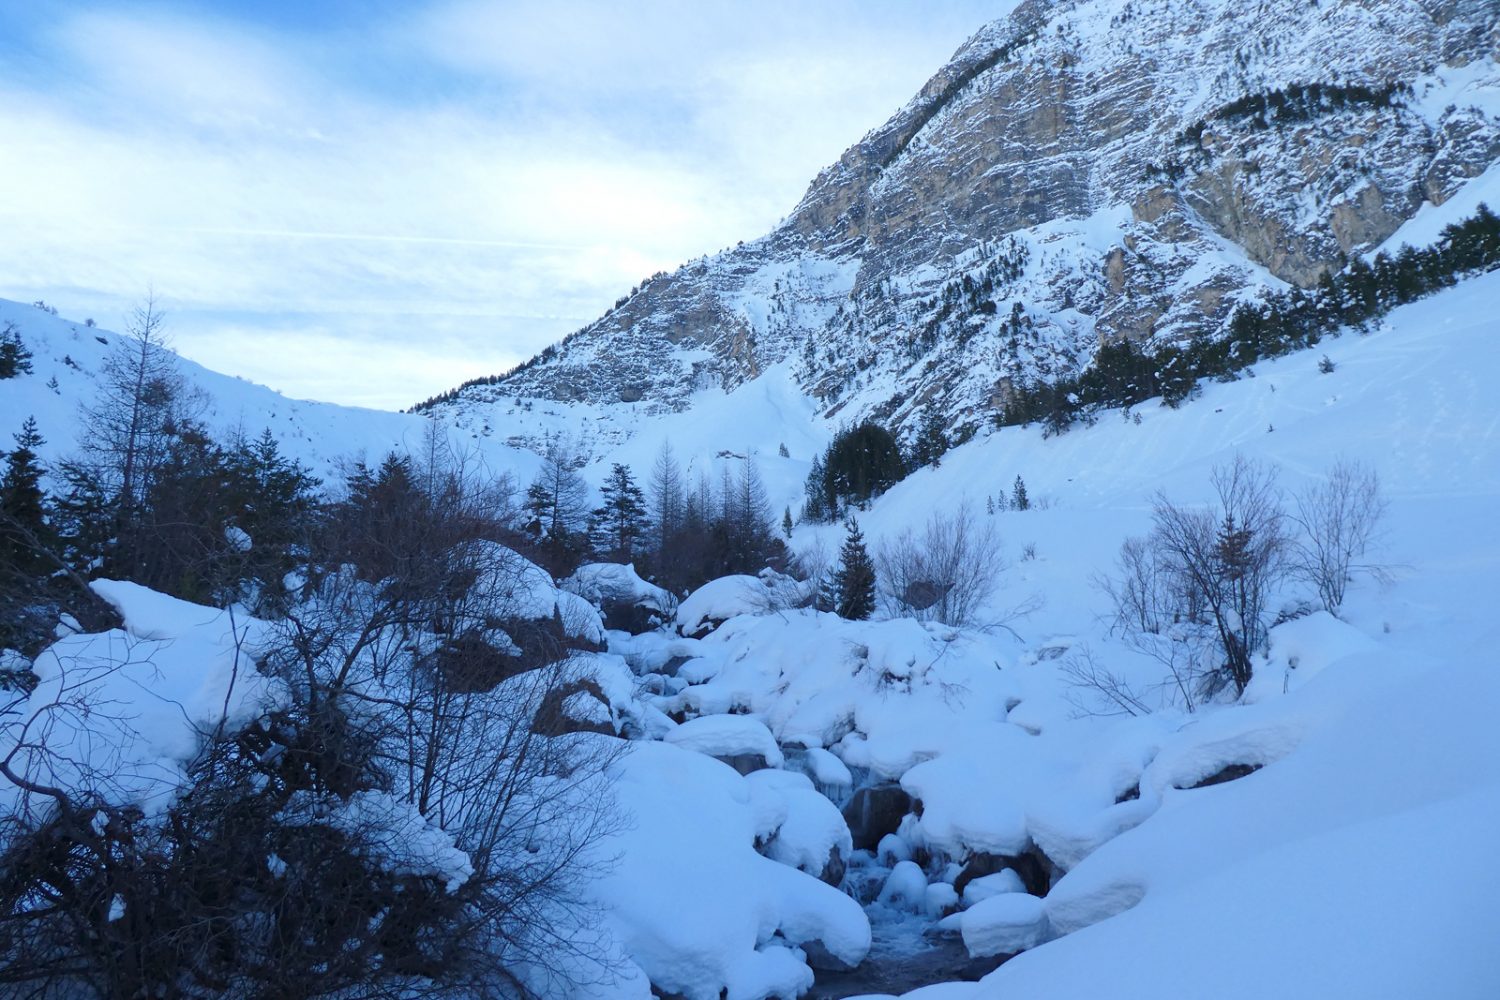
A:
620, 521
1018, 498
668, 502
786, 522
861, 463
557, 501
15, 359
273, 500
853, 585
932, 440
815, 505
23, 522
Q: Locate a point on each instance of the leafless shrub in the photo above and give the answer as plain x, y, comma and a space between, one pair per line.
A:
1340, 519
425, 686
1193, 594
1111, 693
947, 573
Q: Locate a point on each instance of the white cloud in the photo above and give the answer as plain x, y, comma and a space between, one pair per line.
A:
517, 168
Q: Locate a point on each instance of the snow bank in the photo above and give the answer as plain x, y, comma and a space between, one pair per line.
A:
728, 736
692, 902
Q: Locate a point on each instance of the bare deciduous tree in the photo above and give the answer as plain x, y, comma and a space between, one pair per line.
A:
1194, 593
1339, 517
947, 573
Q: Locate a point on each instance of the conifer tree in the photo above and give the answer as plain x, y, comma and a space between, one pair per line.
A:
786, 522
815, 507
668, 501
15, 359
22, 502
1018, 498
932, 440
619, 522
557, 501
853, 585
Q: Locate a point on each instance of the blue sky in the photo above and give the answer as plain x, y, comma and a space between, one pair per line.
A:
369, 202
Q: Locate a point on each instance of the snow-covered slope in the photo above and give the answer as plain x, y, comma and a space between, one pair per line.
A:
66, 358
1310, 877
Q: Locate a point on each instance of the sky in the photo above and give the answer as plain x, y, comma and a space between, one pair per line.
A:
368, 202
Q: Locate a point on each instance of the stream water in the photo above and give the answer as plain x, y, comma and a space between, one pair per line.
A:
902, 958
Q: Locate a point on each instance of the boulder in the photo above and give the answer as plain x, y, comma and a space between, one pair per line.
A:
874, 812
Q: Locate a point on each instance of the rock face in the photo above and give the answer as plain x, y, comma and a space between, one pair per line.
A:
1079, 172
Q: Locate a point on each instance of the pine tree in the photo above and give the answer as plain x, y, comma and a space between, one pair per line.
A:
620, 522
815, 507
558, 502
854, 582
932, 440
15, 359
23, 522
786, 522
1018, 498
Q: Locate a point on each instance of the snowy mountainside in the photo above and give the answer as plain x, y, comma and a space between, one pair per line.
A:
1355, 744
65, 363
1089, 846
1078, 173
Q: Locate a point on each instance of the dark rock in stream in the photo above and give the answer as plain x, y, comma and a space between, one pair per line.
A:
875, 812
900, 972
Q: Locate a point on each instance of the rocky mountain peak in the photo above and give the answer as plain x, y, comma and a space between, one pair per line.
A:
1078, 173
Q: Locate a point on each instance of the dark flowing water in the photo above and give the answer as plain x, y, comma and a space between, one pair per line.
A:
902, 959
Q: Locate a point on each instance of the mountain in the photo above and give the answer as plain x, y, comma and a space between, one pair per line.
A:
64, 366
1078, 173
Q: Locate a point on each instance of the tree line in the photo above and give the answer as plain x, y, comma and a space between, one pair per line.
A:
1125, 373
423, 689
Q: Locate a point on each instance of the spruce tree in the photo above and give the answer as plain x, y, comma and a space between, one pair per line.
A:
932, 440
786, 522
854, 582
815, 507
15, 359
1018, 498
23, 522
620, 522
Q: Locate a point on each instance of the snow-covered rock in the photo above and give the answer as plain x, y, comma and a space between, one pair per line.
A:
740, 740
1004, 925
692, 902
720, 600
627, 603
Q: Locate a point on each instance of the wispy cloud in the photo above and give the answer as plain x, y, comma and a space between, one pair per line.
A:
496, 171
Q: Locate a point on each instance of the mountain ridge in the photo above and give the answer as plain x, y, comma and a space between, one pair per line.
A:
1096, 178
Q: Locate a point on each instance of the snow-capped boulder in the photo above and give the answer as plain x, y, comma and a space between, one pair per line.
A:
1004, 925
717, 601
811, 835
738, 740
627, 602
692, 902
